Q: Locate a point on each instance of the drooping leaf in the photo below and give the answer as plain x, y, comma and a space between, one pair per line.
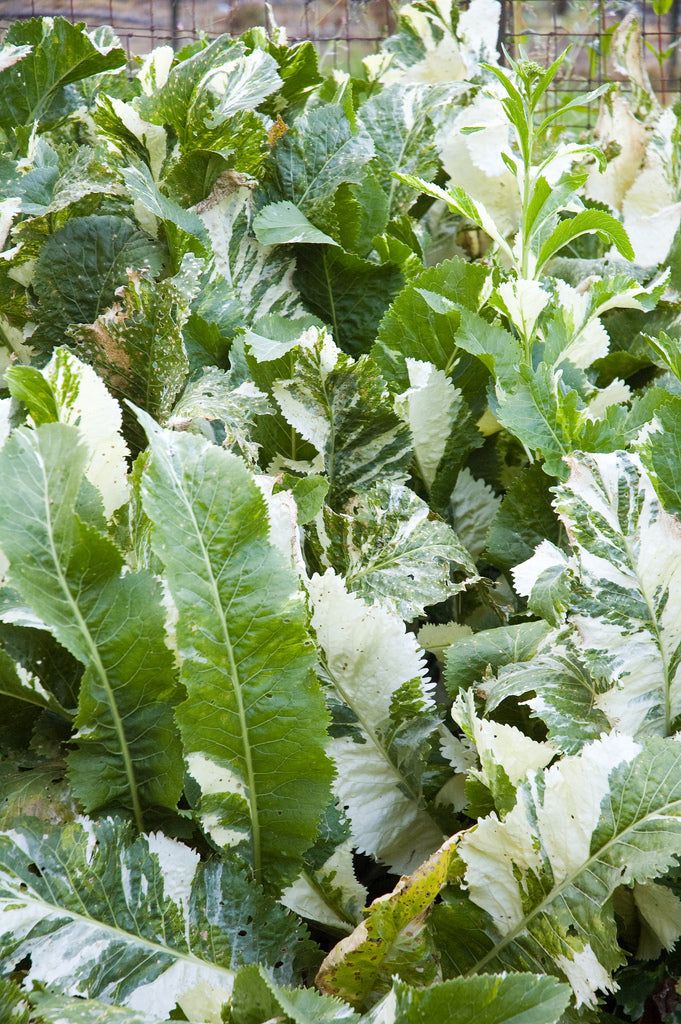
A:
468, 657
557, 686
253, 724
140, 923
393, 939
586, 222
367, 657
72, 577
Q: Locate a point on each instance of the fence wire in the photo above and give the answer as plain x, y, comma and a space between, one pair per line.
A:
347, 30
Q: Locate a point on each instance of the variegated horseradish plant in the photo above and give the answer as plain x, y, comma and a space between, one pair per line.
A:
320, 537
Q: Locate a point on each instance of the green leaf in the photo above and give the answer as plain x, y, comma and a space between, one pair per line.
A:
385, 805
256, 999
190, 94
127, 753
417, 326
662, 455
253, 723
348, 293
392, 550
586, 222
138, 347
69, 391
55, 1009
61, 53
467, 659
401, 121
526, 517
341, 407
609, 816
283, 223
183, 228
135, 922
558, 687
487, 999
83, 263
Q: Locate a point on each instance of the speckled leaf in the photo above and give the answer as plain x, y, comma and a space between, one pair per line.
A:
342, 407
138, 346
136, 922
393, 940
544, 876
391, 549
320, 153
185, 99
111, 619
367, 656
253, 724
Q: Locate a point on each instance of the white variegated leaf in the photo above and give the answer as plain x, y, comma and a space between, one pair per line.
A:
367, 656
544, 876
137, 922
626, 604
83, 401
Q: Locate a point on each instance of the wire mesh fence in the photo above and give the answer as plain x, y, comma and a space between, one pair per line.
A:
347, 30
542, 29
343, 30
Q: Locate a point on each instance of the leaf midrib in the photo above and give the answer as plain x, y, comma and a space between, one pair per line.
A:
96, 660
210, 579
116, 933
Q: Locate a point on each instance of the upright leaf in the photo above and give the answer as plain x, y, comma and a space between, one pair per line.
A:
624, 605
253, 723
33, 89
112, 620
367, 657
342, 408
